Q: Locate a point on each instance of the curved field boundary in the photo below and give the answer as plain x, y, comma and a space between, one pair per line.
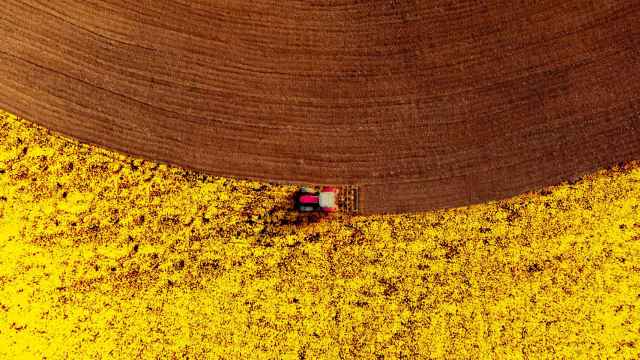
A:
419, 104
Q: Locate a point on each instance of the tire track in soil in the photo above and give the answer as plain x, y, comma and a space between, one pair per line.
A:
408, 105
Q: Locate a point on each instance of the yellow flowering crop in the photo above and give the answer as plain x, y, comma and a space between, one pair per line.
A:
106, 256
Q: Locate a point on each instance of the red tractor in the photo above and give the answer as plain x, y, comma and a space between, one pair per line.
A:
308, 199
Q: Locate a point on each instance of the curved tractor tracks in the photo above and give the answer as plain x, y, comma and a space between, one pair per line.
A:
411, 105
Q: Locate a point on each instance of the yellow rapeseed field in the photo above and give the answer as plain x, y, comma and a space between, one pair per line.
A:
108, 256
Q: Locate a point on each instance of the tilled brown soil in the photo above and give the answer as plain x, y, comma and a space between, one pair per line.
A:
416, 104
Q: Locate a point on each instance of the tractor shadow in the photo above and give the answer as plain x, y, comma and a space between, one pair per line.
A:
284, 218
